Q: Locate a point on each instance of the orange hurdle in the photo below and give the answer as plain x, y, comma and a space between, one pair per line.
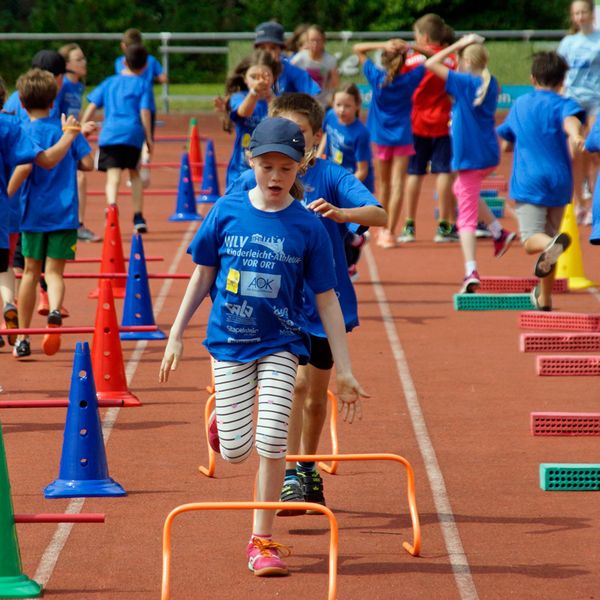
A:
333, 540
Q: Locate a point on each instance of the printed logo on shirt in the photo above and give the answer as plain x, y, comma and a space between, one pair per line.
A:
246, 140
260, 285
233, 280
273, 243
240, 310
338, 157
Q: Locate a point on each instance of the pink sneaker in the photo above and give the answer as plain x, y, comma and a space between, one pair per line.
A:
213, 433
502, 244
470, 283
263, 558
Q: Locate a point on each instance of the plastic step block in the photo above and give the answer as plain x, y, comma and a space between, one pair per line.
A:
494, 202
560, 342
569, 477
565, 321
558, 366
562, 423
498, 185
497, 211
488, 194
518, 285
492, 302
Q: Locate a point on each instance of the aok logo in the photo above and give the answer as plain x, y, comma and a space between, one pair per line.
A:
260, 285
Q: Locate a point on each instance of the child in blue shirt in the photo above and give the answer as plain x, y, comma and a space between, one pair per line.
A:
253, 254
388, 121
248, 91
49, 211
343, 202
126, 99
475, 149
592, 144
539, 125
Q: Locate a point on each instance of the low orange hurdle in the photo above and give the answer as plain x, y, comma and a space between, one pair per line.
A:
333, 540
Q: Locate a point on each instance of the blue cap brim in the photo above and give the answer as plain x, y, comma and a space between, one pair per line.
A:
280, 148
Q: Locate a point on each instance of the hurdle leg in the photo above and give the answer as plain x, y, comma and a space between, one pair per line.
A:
332, 468
210, 470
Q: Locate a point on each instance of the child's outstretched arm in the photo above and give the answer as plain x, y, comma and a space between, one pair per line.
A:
50, 157
370, 216
573, 128
88, 113
349, 391
435, 63
362, 49
200, 283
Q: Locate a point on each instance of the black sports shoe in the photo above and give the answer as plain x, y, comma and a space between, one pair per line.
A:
139, 223
312, 484
22, 349
292, 491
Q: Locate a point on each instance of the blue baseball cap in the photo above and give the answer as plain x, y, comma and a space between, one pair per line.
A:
270, 32
277, 135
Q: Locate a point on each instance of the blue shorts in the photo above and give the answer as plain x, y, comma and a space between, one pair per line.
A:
434, 150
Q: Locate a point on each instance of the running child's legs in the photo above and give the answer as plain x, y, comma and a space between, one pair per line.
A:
82, 193
413, 191
315, 409
384, 182
113, 179
7, 278
399, 165
467, 188
137, 191
27, 291
443, 186
53, 275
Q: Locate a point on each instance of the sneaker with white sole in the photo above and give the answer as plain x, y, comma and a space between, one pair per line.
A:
292, 491
470, 283
22, 349
264, 557
87, 235
482, 231
502, 244
139, 223
547, 259
408, 234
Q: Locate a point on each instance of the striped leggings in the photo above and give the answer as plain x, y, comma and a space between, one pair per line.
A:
235, 391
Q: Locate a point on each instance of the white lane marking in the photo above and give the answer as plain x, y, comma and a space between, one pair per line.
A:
594, 291
63, 530
456, 553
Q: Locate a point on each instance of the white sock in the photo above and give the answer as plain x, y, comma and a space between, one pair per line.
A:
470, 266
495, 228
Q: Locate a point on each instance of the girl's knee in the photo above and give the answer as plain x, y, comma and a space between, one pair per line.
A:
235, 456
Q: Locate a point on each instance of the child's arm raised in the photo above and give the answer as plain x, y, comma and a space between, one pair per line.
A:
52, 156
349, 391
361, 50
435, 63
200, 283
371, 215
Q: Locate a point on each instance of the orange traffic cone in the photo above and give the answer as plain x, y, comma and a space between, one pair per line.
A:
195, 152
570, 262
107, 355
113, 260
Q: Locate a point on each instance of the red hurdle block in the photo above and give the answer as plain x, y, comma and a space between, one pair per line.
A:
560, 342
60, 518
566, 321
494, 184
53, 403
564, 423
517, 285
557, 366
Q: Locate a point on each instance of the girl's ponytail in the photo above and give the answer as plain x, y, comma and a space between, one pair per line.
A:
392, 62
478, 57
482, 91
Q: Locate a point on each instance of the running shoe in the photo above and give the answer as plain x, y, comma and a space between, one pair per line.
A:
547, 259
312, 486
470, 283
22, 349
264, 557
408, 234
502, 244
139, 224
87, 235
11, 320
292, 491
446, 234
51, 341
482, 231
535, 300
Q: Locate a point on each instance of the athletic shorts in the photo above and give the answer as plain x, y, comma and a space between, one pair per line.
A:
4, 252
534, 218
436, 151
60, 244
320, 353
118, 156
389, 152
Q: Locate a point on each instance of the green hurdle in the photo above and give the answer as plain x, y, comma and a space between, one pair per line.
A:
493, 302
569, 477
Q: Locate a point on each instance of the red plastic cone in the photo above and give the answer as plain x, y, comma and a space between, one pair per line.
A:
195, 152
107, 356
113, 260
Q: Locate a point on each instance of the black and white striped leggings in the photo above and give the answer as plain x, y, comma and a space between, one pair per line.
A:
235, 388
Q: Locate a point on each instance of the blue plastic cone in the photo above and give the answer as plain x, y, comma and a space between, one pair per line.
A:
83, 466
595, 235
209, 190
186, 201
137, 308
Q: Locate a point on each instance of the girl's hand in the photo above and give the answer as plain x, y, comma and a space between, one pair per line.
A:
396, 46
328, 210
88, 128
220, 104
170, 360
471, 38
349, 394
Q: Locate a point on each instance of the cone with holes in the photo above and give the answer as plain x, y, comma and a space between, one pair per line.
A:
107, 356
195, 151
209, 191
185, 209
13, 583
137, 309
570, 262
83, 466
112, 253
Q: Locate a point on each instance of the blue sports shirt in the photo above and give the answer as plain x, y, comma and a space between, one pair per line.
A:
152, 70
72, 97
295, 79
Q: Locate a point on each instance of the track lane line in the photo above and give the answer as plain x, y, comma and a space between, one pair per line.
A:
454, 547
61, 535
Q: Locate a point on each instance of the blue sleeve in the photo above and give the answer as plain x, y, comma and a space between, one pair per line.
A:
304, 82
371, 73
80, 147
363, 146
205, 245
19, 148
147, 100
460, 84
592, 143
246, 181
13, 104
119, 64
234, 102
349, 191
97, 95
571, 108
505, 130
319, 266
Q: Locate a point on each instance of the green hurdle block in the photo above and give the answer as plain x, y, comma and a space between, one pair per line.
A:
495, 202
569, 477
493, 302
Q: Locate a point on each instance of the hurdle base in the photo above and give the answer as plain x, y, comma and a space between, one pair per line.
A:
189, 216
126, 397
143, 335
19, 586
80, 488
580, 283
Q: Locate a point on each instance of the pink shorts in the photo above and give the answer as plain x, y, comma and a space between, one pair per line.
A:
388, 152
467, 188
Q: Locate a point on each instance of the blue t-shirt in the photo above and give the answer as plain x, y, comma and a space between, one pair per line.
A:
16, 148
122, 97
294, 79
388, 119
582, 53
263, 260
349, 144
244, 126
592, 144
72, 97
49, 200
152, 70
541, 165
473, 128
13, 106
332, 182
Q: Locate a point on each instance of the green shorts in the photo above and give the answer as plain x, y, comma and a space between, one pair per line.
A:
59, 244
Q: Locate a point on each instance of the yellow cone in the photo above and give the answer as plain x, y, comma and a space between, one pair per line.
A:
570, 262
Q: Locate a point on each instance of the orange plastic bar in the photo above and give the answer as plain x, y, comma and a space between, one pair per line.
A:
333, 540
333, 408
210, 470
